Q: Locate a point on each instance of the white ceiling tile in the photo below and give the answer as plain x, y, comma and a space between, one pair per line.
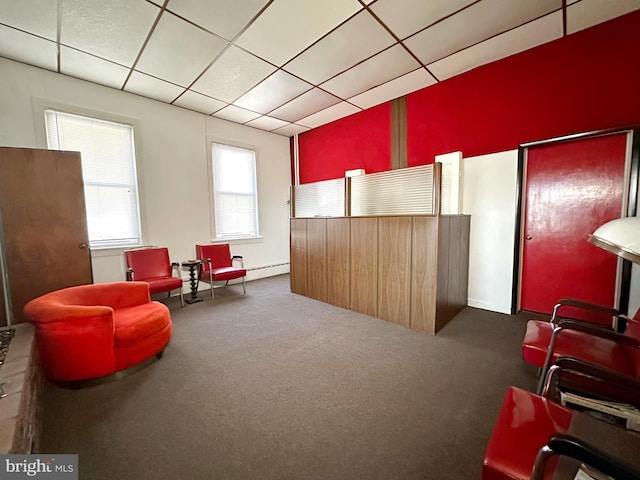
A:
290, 130
152, 87
359, 38
34, 16
527, 36
114, 30
266, 123
82, 65
394, 89
178, 52
222, 17
385, 66
279, 88
199, 103
475, 24
231, 75
587, 13
406, 17
26, 48
330, 114
304, 105
289, 26
236, 114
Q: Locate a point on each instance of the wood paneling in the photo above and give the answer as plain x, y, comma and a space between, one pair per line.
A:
338, 261
364, 265
298, 267
424, 278
317, 258
45, 223
394, 270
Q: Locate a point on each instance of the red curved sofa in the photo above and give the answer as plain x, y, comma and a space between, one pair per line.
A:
91, 331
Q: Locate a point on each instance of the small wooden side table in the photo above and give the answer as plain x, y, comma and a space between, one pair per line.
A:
193, 265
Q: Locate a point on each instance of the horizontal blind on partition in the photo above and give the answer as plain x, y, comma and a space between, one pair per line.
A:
320, 199
109, 173
406, 191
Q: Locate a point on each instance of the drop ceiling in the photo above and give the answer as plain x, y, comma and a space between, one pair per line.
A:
284, 66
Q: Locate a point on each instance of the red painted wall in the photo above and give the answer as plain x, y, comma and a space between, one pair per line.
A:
362, 140
585, 81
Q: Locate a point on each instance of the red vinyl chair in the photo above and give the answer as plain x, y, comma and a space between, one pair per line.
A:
152, 265
594, 342
528, 422
217, 265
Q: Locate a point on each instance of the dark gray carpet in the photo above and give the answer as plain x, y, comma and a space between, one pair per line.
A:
272, 385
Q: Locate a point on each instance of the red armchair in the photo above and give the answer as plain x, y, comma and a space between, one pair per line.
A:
152, 265
545, 341
217, 265
91, 331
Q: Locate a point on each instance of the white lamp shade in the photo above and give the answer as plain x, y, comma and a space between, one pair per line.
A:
620, 236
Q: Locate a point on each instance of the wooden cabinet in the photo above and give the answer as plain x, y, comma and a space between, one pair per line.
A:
409, 270
44, 221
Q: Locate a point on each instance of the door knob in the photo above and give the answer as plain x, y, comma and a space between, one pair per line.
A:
82, 245
528, 237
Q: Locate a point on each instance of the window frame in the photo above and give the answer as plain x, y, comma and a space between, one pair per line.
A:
39, 106
211, 141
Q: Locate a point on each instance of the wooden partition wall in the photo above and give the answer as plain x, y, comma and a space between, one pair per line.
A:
409, 270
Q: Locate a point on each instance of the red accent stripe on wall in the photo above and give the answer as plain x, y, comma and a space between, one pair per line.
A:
362, 140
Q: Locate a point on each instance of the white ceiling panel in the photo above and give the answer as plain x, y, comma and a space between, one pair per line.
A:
114, 30
85, 66
423, 13
235, 72
543, 30
152, 87
222, 17
353, 42
395, 88
290, 130
199, 103
178, 52
475, 24
289, 26
393, 62
304, 105
341, 110
26, 48
266, 123
276, 90
38, 17
587, 13
236, 114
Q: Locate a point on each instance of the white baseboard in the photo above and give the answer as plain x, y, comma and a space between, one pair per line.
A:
492, 307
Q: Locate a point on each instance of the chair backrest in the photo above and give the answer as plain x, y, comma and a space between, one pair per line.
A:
149, 262
219, 253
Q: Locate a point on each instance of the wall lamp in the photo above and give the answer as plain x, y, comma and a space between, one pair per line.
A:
620, 237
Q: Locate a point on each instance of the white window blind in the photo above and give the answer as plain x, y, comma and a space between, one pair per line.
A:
109, 173
234, 187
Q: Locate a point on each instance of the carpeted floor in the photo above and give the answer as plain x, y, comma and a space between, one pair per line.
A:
272, 385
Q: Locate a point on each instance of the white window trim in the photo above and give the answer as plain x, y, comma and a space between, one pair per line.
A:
212, 213
39, 105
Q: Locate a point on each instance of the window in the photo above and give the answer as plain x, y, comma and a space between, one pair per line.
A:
109, 172
234, 192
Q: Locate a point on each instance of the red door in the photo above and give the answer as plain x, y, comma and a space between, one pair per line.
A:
570, 189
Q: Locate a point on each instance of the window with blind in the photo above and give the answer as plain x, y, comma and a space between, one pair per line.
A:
109, 172
234, 192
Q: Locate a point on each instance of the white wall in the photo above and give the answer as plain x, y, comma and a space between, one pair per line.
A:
173, 173
489, 196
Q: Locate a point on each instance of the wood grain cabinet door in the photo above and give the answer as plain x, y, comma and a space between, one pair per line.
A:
364, 265
44, 221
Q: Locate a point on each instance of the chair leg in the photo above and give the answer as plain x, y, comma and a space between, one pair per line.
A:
181, 298
244, 290
211, 283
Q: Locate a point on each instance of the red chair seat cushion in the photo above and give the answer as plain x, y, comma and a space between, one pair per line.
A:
583, 346
164, 284
134, 324
227, 273
525, 424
